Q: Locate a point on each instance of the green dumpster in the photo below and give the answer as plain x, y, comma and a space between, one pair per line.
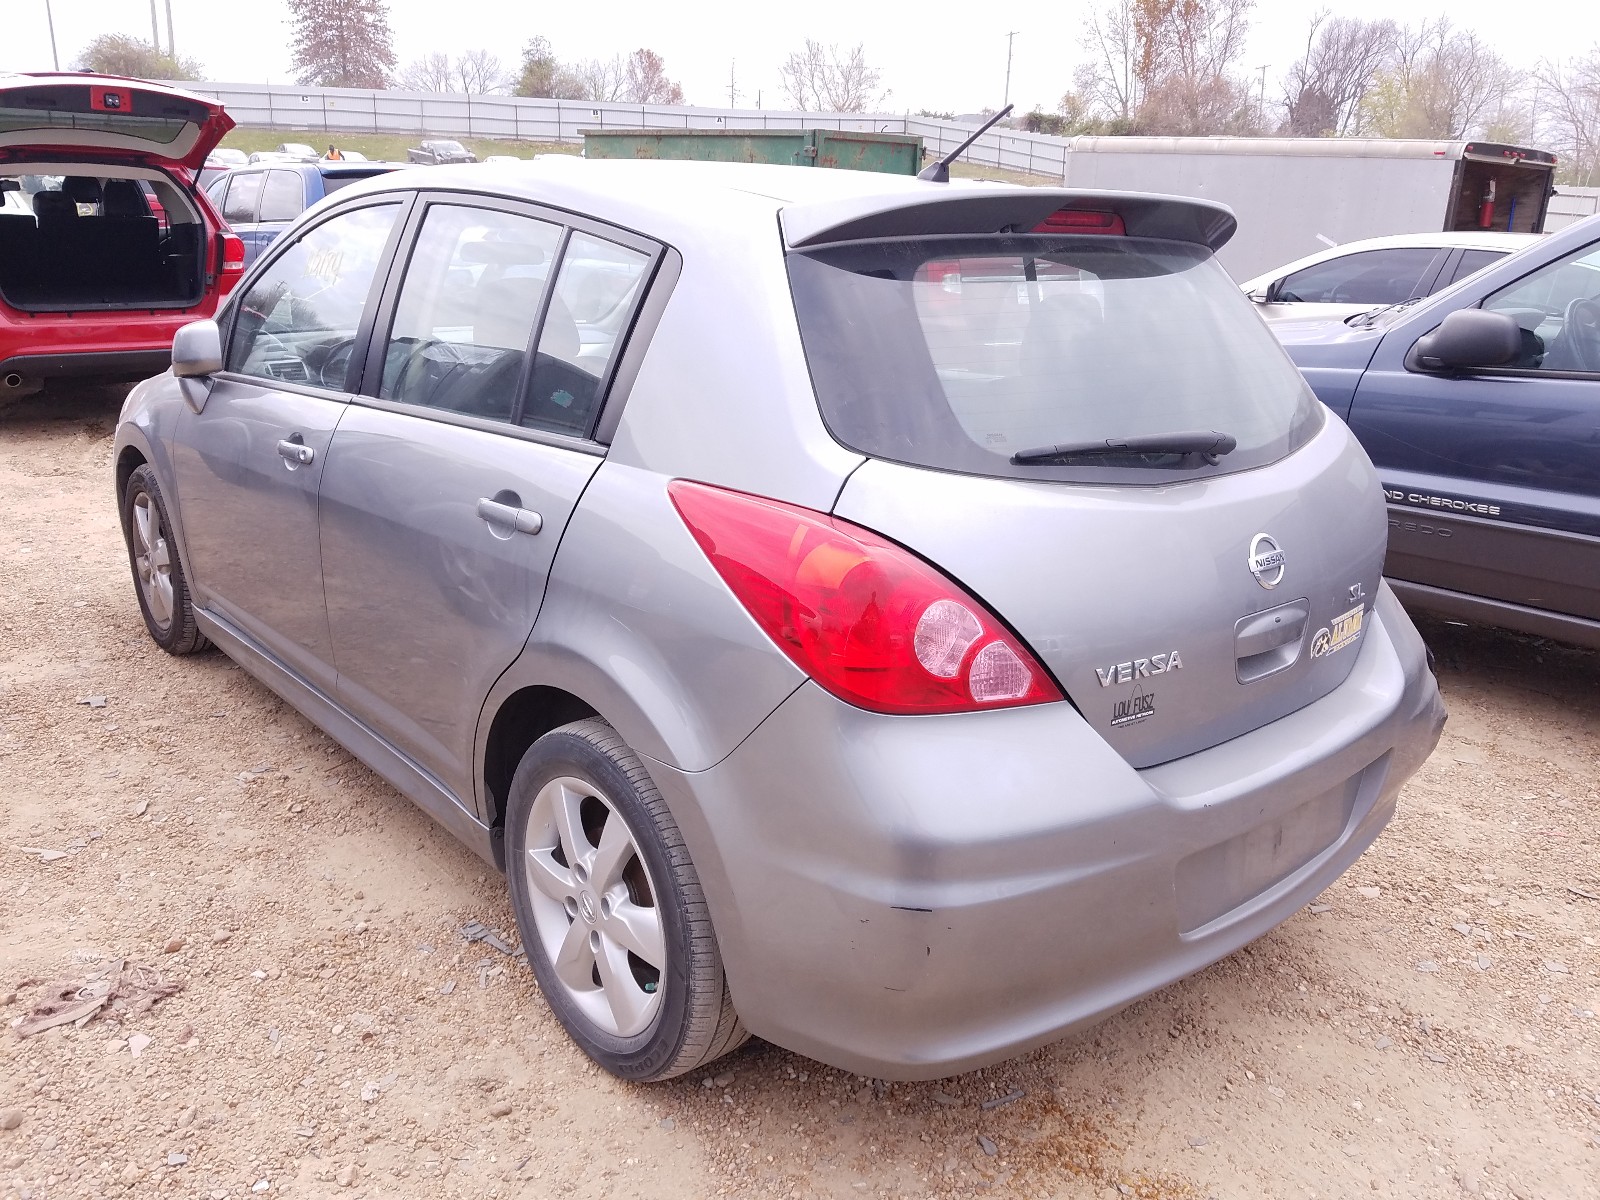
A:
893, 153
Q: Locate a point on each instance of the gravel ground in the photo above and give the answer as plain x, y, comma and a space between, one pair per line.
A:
1426, 1029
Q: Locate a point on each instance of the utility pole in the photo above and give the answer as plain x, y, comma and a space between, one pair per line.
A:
1263, 103
1010, 37
50, 17
732, 92
172, 52
155, 29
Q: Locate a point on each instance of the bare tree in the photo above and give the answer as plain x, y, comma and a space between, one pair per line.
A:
430, 73
1324, 91
1167, 66
600, 79
645, 80
480, 73
1569, 94
1110, 81
1444, 83
822, 78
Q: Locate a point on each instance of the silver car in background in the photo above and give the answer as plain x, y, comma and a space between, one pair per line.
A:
906, 623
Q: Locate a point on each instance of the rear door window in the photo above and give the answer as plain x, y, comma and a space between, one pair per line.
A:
1371, 277
283, 197
464, 321
957, 354
595, 296
1471, 262
241, 204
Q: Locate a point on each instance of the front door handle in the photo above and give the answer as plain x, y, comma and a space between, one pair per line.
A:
296, 452
512, 520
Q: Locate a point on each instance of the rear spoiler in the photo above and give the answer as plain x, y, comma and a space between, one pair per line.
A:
940, 210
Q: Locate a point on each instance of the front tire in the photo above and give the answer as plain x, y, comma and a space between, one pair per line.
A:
158, 578
611, 911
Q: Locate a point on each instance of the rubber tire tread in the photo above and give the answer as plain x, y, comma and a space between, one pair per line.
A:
183, 636
711, 1024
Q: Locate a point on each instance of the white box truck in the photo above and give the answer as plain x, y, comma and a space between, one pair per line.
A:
1295, 196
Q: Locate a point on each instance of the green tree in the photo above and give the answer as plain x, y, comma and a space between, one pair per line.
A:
119, 54
543, 74
341, 43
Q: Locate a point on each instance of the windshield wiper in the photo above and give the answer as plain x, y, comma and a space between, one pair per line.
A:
1208, 444
1367, 319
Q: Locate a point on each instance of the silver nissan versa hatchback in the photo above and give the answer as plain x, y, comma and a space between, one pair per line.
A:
899, 620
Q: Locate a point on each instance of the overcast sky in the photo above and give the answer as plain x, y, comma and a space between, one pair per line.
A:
934, 55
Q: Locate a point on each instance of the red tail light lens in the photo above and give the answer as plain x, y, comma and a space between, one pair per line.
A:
865, 618
232, 254
1079, 220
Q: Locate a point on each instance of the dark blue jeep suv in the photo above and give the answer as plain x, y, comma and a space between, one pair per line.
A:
1480, 406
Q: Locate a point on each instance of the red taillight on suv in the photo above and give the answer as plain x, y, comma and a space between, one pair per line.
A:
1081, 220
865, 618
230, 250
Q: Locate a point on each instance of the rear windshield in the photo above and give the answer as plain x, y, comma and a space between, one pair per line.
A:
164, 130
958, 353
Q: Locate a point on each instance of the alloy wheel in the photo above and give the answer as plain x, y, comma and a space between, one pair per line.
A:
594, 906
152, 559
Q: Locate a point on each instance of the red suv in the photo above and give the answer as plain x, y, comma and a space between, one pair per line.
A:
106, 244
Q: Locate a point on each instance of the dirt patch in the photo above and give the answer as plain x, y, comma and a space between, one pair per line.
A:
1427, 1029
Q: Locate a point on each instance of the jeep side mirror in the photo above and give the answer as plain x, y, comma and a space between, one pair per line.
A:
1470, 337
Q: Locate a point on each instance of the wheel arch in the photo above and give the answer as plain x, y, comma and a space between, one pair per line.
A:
519, 720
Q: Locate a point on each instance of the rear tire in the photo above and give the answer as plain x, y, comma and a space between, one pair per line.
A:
158, 578
612, 915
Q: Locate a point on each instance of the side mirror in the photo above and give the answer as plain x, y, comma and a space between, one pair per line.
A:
1258, 296
197, 350
1470, 337
196, 353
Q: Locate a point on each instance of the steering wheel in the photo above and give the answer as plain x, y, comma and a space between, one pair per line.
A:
1580, 330
330, 363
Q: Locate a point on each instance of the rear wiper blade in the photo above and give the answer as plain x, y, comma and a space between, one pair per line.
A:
1208, 444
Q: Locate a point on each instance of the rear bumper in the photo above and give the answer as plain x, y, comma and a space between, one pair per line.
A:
911, 897
114, 364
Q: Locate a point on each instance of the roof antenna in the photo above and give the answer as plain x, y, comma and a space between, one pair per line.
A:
939, 172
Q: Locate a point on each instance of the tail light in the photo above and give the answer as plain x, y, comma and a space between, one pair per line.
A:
1081, 220
865, 618
230, 249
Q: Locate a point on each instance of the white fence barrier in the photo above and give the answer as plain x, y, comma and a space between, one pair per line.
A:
351, 110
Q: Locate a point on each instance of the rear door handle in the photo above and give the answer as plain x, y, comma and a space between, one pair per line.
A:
296, 452
513, 520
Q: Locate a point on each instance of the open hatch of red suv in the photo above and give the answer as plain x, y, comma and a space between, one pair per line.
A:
106, 244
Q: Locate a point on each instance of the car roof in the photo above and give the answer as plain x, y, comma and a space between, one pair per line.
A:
1475, 239
682, 201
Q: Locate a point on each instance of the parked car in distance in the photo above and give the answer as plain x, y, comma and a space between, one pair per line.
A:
260, 201
106, 244
217, 162
297, 150
501, 158
268, 156
672, 533
345, 156
1481, 409
435, 152
1360, 276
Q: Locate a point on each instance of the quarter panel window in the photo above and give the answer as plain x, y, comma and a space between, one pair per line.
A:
464, 321
1558, 307
243, 200
298, 321
283, 198
1371, 277
596, 292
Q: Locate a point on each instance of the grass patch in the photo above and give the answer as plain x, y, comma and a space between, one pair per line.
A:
381, 147
391, 147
